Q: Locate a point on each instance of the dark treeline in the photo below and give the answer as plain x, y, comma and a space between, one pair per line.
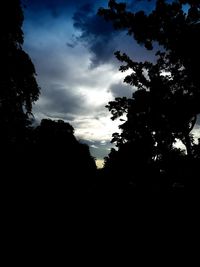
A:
43, 161
166, 103
48, 160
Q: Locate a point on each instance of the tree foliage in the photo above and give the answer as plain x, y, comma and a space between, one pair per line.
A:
38, 163
165, 105
58, 152
19, 89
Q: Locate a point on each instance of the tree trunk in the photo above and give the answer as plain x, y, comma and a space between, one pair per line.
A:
188, 145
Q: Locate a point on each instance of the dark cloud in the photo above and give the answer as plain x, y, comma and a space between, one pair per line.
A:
96, 33
120, 90
102, 39
59, 100
55, 7
37, 7
87, 20
45, 4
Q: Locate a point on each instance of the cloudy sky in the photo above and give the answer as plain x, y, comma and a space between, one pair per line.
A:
72, 50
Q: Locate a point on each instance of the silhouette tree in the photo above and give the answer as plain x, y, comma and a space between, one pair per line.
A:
64, 163
19, 88
45, 162
175, 27
156, 117
166, 103
158, 105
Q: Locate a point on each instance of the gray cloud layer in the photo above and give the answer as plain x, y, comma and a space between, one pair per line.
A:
120, 90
